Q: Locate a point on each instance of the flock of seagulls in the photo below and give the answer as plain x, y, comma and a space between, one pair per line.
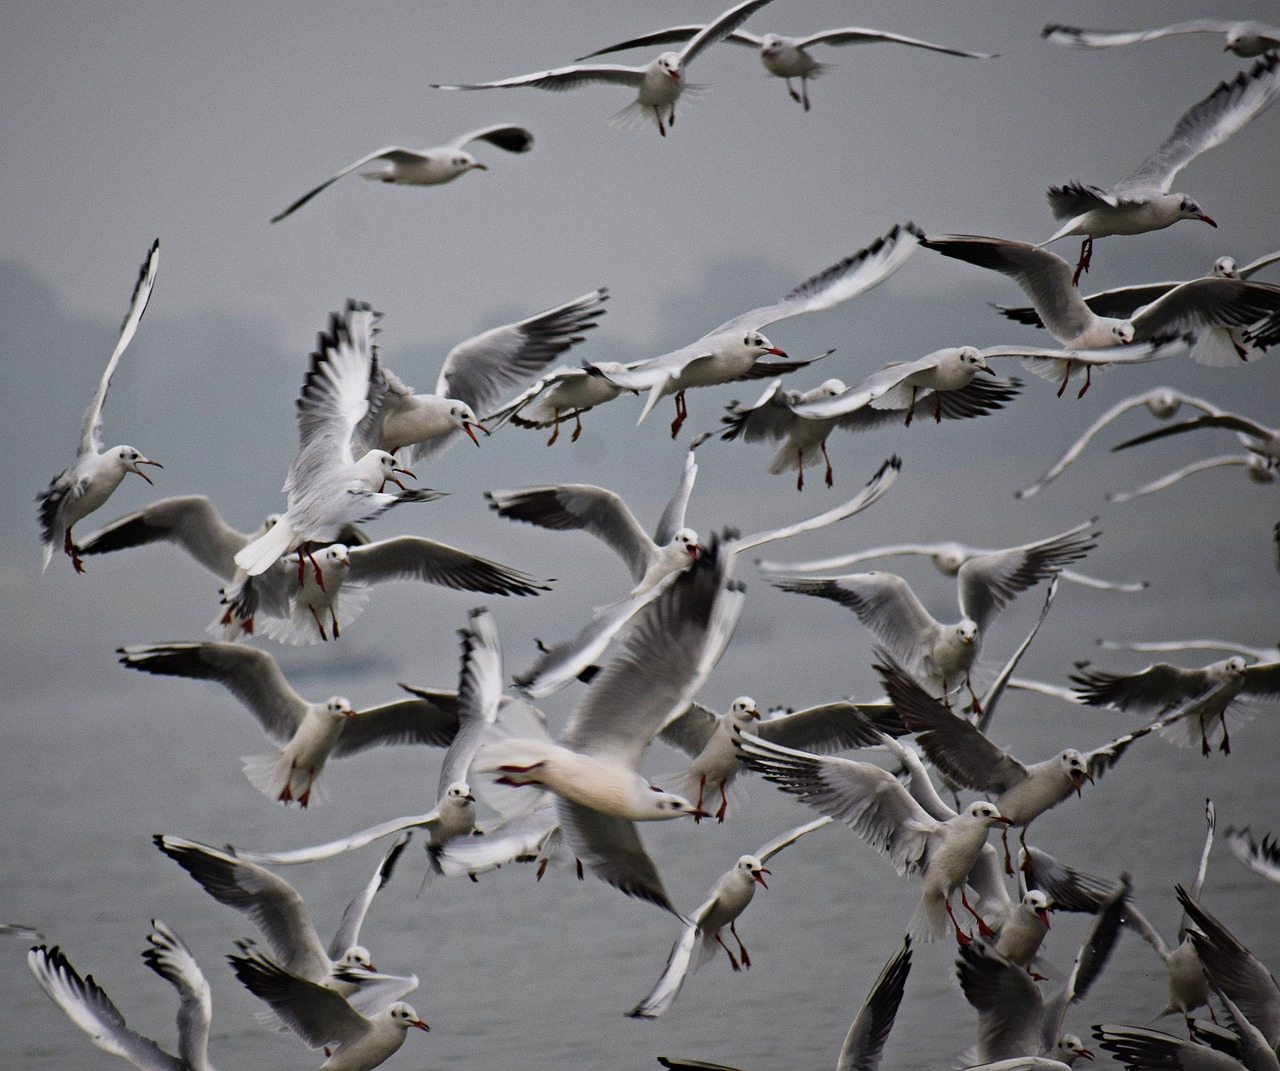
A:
518, 787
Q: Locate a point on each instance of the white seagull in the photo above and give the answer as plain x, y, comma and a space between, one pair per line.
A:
1245, 37
871, 802
309, 733
1201, 697
337, 477
87, 1005
1143, 201
658, 84
426, 167
90, 480
1258, 439
943, 655
703, 929
731, 350
274, 906
322, 1017
672, 647
777, 417
788, 57
1217, 347
474, 374
1262, 857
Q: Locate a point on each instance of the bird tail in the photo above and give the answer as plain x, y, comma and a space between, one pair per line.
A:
929, 923
266, 773
257, 557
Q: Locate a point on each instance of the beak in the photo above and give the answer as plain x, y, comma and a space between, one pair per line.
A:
478, 166
694, 550
754, 714
144, 461
1043, 915
470, 797
759, 876
1003, 820
404, 472
468, 426
698, 813
987, 368
421, 1025
349, 713
1206, 219
776, 352
675, 75
1086, 1054
1078, 778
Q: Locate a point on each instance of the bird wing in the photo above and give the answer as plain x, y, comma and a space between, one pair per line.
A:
415, 558
1075, 37
168, 955
251, 675
1262, 857
691, 730
1101, 759
269, 901
1007, 1001
719, 28
667, 987
318, 1015
191, 521
847, 278
88, 1006
431, 718
953, 744
672, 35
864, 797
561, 78
875, 487
91, 429
478, 370
1210, 122
1255, 266
427, 821
480, 683
520, 838
769, 418
1158, 686
1069, 889
858, 35
1207, 302
785, 840
611, 849
864, 1043
1139, 1047
348, 932
1120, 303
988, 582
580, 507
1040, 274
876, 385
503, 135
672, 519
822, 729
1262, 679
1215, 419
394, 153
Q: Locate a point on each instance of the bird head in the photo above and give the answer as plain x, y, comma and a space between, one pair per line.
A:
129, 459
752, 866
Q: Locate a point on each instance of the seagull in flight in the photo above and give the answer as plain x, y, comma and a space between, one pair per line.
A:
425, 167
658, 84
1245, 37
95, 474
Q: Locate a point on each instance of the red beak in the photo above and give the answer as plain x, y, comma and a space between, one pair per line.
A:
1206, 219
694, 549
759, 876
468, 426
143, 461
1078, 778
776, 352
1043, 915
419, 1024
478, 166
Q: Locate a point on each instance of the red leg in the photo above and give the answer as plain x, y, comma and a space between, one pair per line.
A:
733, 962
301, 567
742, 949
286, 793
1088, 373
911, 409
1004, 839
702, 784
983, 928
682, 413
937, 407
977, 705
577, 425
961, 938
68, 545
555, 434
1225, 746
316, 566
319, 624
333, 618
829, 477
804, 91
724, 805
661, 129
1065, 376
1086, 256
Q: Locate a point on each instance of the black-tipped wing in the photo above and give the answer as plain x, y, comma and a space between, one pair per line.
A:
415, 558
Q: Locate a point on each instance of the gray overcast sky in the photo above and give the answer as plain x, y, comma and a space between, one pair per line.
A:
196, 123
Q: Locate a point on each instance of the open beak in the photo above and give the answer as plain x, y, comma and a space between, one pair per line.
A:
1078, 778
145, 461
754, 715
403, 472
468, 427
759, 876
349, 713
694, 550
1043, 915
421, 1025
1206, 219
675, 75
1086, 1054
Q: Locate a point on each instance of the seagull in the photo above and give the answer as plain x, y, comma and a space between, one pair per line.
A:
296, 614
557, 666
732, 349
1200, 697
672, 647
1258, 439
562, 393
337, 476
1258, 469
658, 84
1162, 402
703, 929
777, 416
1024, 929
309, 733
942, 654
322, 1017
1245, 37
1144, 1049
1143, 201
1013, 1018
426, 167
1254, 654
707, 738
476, 704
474, 374
1262, 857
963, 753
871, 802
1046, 278
864, 1043
947, 557
90, 480
345, 965
87, 1005
1217, 347
788, 57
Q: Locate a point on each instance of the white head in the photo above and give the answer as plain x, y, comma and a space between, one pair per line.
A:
339, 706
1235, 666
129, 459
1075, 767
966, 631
830, 389
1069, 1049
463, 417
377, 467
357, 956
949, 557
1188, 209
754, 344
334, 556
743, 710
404, 1016
1038, 904
1225, 268
1122, 332
987, 813
971, 357
770, 43
663, 804
458, 797
751, 867
463, 161
669, 64
1259, 469
1163, 403
688, 539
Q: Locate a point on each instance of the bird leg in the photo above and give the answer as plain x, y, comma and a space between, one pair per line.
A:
682, 414
911, 409
1225, 746
742, 949
555, 434
1008, 862
794, 95
830, 478
724, 805
799, 468
733, 962
657, 114
961, 937
1066, 375
577, 425
983, 929
698, 812
977, 703
1088, 372
1086, 257
511, 768
319, 624
937, 407
305, 798
333, 620
804, 91
286, 793
73, 552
